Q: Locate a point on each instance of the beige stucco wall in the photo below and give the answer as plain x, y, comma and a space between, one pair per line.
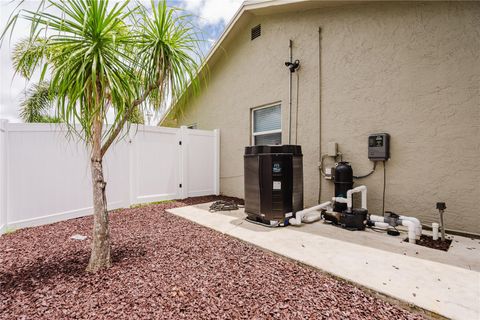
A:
409, 69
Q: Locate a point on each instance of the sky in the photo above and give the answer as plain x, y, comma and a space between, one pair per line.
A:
210, 16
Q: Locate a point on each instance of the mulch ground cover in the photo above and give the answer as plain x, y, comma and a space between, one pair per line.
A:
427, 241
165, 267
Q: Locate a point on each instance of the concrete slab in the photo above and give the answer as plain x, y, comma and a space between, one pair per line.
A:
447, 283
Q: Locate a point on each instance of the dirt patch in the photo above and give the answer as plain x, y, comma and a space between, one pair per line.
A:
427, 241
165, 267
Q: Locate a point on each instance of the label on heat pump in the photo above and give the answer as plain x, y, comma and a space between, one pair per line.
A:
277, 185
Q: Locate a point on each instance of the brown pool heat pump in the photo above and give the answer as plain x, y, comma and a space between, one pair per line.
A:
273, 183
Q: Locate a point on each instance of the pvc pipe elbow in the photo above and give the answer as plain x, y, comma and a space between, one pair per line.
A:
293, 222
363, 191
418, 225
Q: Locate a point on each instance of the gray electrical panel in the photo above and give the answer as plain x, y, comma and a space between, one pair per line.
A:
379, 146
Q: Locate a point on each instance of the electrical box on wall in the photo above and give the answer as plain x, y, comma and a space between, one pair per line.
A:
332, 149
379, 146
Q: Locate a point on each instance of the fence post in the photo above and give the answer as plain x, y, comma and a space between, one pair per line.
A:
183, 177
3, 174
132, 170
216, 168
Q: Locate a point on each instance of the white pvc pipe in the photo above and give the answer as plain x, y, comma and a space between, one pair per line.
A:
411, 230
339, 199
418, 225
311, 217
363, 190
375, 218
382, 225
435, 231
300, 214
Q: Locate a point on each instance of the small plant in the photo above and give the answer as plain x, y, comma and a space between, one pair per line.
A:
10, 230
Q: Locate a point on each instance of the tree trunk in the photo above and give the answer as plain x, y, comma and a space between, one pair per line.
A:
100, 255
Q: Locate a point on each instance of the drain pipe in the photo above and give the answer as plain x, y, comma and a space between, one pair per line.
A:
435, 231
290, 44
309, 214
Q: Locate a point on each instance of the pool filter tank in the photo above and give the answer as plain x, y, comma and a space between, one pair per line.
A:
353, 219
273, 183
343, 180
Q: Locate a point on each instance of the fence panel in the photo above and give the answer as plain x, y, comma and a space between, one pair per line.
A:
155, 164
49, 175
3, 175
45, 174
201, 162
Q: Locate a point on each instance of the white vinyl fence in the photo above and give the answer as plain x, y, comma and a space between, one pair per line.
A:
45, 174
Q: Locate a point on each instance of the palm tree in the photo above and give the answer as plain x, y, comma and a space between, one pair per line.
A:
38, 104
103, 56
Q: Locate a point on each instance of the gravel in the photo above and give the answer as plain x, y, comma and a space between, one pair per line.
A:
165, 267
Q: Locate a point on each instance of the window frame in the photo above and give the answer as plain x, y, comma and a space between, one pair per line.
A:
252, 122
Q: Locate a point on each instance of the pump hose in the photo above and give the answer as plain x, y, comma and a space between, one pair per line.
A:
222, 205
368, 174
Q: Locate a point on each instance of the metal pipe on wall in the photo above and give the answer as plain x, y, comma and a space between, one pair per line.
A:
319, 114
290, 44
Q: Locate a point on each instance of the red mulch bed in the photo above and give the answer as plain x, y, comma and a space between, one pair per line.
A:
427, 241
165, 267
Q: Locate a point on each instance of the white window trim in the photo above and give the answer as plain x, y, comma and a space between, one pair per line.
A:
254, 134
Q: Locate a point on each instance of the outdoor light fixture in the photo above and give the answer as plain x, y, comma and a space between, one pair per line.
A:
293, 66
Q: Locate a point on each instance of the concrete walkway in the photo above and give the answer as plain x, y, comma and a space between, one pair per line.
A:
445, 288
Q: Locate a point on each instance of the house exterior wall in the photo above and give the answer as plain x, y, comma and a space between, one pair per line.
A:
409, 69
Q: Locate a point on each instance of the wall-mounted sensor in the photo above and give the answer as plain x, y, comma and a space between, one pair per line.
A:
379, 146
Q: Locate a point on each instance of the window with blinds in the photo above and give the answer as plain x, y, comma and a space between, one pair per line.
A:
267, 125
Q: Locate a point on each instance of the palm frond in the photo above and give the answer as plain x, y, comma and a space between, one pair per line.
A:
37, 103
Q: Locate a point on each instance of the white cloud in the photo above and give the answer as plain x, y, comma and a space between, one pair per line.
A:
211, 12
